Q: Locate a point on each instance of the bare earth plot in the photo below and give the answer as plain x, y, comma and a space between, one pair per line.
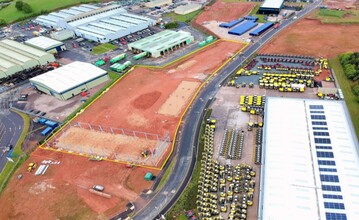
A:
63, 192
147, 103
310, 37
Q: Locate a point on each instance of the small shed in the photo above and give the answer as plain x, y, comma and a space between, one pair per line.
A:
149, 176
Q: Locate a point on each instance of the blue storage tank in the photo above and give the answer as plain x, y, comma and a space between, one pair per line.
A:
46, 131
52, 124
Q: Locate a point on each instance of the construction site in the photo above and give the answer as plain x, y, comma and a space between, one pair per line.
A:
141, 112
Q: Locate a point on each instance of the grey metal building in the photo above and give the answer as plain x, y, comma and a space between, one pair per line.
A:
15, 57
98, 24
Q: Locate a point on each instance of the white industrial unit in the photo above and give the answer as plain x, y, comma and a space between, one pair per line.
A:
70, 80
46, 44
98, 24
186, 9
157, 3
310, 166
16, 57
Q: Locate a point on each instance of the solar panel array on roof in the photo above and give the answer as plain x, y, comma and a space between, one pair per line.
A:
243, 28
231, 24
260, 30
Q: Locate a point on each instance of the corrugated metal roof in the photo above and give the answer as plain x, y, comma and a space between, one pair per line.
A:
24, 48
159, 41
69, 76
44, 43
243, 28
272, 4
261, 29
303, 165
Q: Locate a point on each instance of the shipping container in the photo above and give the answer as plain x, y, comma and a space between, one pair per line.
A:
52, 124
118, 58
46, 131
202, 43
42, 121
140, 55
100, 63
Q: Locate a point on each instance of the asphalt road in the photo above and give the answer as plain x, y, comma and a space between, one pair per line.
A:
186, 154
13, 124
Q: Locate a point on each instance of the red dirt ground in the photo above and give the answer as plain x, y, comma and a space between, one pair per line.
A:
342, 4
224, 11
62, 193
310, 37
133, 102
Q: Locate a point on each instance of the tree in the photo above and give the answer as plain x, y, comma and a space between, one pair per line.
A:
26, 8
19, 5
350, 71
356, 90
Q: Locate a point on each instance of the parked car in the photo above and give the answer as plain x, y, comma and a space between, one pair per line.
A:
23, 97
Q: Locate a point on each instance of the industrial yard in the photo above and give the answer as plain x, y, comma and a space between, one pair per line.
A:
63, 191
178, 110
143, 112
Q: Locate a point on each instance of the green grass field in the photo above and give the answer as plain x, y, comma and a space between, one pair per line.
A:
260, 17
18, 156
11, 14
346, 86
336, 17
183, 18
102, 48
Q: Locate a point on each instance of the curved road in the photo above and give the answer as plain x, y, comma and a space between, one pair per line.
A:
163, 200
13, 126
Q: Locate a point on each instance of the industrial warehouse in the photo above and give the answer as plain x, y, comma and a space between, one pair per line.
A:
271, 7
161, 43
186, 9
309, 161
46, 44
98, 24
16, 57
70, 80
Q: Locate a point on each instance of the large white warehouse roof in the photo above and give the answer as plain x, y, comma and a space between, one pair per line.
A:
272, 4
43, 43
310, 161
70, 76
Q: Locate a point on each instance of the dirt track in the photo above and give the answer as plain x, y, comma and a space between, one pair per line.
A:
310, 37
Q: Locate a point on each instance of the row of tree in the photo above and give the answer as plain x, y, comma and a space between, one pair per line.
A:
23, 6
350, 63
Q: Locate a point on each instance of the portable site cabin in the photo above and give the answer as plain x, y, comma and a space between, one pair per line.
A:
149, 176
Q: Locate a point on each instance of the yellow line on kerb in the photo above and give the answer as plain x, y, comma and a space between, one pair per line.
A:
42, 146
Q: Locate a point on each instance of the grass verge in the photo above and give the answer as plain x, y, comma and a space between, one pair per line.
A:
10, 167
167, 173
183, 18
254, 13
350, 99
327, 16
103, 48
11, 14
187, 200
